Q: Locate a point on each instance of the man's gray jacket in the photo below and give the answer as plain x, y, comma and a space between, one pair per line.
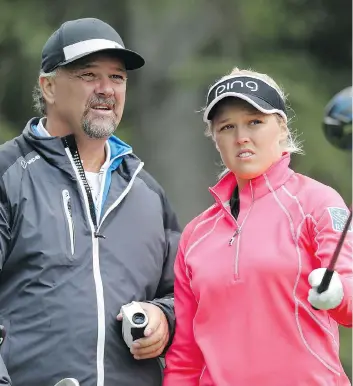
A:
63, 279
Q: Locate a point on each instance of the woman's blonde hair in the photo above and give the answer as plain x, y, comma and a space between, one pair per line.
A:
292, 145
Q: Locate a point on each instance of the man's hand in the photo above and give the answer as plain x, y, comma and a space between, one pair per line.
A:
156, 334
329, 299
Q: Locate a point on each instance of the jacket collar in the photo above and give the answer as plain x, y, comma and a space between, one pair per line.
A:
257, 187
53, 151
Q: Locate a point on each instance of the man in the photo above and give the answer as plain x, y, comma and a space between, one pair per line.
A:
83, 228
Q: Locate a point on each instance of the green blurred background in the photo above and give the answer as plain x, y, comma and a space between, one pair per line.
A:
306, 45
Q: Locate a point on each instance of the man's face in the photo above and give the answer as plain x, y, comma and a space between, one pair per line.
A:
89, 95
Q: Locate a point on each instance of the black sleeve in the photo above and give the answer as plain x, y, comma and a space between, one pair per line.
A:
4, 376
5, 236
165, 292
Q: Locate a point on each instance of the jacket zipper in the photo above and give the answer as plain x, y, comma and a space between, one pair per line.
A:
70, 143
68, 213
73, 155
236, 235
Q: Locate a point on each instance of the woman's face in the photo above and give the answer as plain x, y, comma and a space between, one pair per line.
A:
248, 140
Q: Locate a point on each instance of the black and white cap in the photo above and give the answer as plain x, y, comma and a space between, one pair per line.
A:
253, 90
78, 38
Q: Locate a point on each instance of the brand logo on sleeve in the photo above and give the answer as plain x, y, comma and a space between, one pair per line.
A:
339, 217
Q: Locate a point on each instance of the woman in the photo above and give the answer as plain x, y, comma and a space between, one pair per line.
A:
246, 306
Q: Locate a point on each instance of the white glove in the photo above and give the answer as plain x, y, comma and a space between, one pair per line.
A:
329, 299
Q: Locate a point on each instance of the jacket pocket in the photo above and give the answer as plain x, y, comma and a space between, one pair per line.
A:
69, 219
318, 339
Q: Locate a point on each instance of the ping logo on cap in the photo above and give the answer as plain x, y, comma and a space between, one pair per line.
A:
230, 85
262, 95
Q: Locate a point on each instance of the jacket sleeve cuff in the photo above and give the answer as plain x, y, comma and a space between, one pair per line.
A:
343, 313
166, 304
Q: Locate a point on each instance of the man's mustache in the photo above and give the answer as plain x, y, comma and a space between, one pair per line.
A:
101, 101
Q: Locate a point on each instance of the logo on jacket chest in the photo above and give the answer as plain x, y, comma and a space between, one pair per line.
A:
25, 163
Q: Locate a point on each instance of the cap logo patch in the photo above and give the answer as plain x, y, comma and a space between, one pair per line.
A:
250, 85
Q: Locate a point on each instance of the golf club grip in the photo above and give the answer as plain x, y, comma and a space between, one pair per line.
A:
325, 282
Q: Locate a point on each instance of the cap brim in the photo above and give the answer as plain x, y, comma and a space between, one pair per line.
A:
255, 101
131, 59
